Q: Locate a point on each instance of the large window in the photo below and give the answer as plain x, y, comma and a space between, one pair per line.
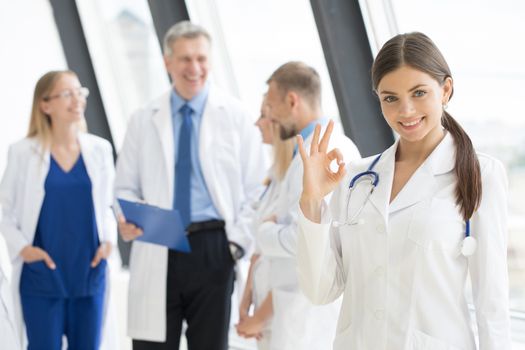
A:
259, 36
126, 56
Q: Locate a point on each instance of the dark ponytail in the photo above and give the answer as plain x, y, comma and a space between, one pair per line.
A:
419, 52
466, 167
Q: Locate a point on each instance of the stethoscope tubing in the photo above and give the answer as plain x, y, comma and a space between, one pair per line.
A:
468, 245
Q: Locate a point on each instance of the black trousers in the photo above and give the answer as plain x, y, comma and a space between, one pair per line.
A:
199, 289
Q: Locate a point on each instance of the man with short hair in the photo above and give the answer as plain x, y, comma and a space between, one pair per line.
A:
196, 150
294, 102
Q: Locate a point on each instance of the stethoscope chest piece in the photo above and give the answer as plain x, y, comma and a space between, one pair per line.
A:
468, 247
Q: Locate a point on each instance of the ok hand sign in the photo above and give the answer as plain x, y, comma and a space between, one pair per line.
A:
318, 179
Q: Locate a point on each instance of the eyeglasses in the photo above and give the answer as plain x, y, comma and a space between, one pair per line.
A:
81, 92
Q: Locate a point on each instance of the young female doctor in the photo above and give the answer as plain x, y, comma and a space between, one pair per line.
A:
406, 227
267, 274
56, 195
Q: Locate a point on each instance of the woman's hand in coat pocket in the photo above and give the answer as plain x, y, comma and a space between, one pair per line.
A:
103, 252
32, 254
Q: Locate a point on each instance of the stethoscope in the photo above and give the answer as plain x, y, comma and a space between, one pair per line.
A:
468, 245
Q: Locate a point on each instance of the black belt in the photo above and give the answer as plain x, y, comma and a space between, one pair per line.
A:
209, 225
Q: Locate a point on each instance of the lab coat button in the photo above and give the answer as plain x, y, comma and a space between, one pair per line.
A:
379, 314
380, 228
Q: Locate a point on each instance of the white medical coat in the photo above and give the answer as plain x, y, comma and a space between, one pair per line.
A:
22, 194
297, 324
8, 330
233, 166
400, 269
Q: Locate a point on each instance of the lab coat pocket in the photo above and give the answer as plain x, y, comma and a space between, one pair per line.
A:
422, 341
437, 225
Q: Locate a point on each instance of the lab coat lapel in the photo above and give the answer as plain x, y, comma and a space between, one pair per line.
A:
90, 158
418, 188
385, 169
164, 125
422, 185
39, 166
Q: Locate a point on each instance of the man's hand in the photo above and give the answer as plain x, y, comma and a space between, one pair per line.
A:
128, 231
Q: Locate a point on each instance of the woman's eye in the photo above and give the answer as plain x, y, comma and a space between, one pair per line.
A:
390, 99
419, 93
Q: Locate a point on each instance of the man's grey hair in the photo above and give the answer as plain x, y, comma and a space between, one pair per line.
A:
183, 29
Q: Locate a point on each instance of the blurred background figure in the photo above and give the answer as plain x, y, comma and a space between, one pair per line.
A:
56, 195
259, 285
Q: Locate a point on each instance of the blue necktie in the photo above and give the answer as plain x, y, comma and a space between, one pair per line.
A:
183, 168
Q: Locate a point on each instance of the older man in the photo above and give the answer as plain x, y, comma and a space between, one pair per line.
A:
196, 150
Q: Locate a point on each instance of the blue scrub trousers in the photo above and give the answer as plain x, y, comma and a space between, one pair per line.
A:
48, 318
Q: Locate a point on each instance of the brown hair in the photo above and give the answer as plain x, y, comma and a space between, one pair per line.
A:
40, 123
419, 52
300, 78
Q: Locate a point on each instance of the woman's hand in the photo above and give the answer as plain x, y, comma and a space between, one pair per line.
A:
250, 327
128, 231
318, 179
103, 252
31, 254
246, 300
271, 218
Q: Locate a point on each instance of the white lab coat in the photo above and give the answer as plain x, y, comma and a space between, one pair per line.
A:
232, 162
297, 324
8, 331
22, 194
400, 269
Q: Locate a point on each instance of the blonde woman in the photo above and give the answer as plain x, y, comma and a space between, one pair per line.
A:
263, 270
56, 218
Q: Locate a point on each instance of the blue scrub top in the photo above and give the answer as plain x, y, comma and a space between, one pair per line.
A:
67, 231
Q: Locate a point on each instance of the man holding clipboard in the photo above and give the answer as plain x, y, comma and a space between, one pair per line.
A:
183, 151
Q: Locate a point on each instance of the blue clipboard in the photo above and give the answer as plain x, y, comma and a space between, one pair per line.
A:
160, 226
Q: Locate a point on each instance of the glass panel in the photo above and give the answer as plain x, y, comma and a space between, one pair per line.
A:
259, 36
126, 56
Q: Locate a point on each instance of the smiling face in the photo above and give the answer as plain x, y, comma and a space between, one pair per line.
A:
66, 102
188, 65
412, 103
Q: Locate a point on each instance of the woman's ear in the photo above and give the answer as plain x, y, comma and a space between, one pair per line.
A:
448, 87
